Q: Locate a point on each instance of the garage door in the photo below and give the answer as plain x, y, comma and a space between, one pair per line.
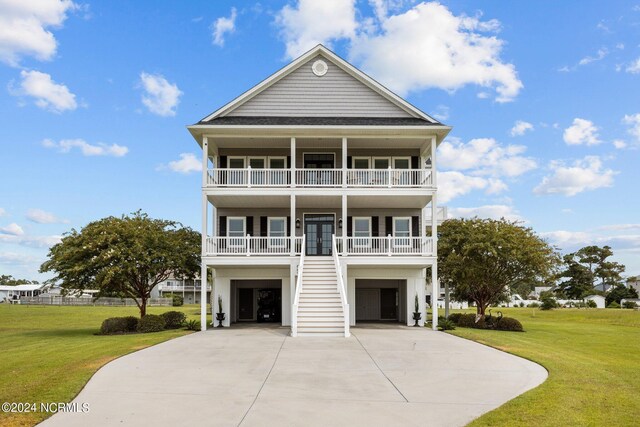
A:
367, 304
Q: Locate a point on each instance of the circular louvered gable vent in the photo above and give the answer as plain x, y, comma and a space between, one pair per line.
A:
319, 68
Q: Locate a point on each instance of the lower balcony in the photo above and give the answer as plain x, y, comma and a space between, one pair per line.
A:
292, 246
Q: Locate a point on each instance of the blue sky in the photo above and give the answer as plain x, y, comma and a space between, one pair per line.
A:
542, 97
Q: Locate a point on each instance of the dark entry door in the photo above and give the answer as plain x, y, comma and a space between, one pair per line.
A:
388, 304
245, 302
318, 230
315, 169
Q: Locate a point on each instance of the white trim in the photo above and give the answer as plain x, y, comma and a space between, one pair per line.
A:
283, 158
354, 158
278, 238
341, 63
395, 237
407, 158
367, 240
244, 231
374, 158
243, 158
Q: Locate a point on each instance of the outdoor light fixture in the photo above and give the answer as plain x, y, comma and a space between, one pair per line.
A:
297, 222
340, 223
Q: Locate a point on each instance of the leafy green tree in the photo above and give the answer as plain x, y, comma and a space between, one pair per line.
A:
579, 278
126, 256
483, 258
619, 292
595, 257
8, 280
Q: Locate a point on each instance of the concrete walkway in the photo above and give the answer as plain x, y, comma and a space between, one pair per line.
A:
259, 376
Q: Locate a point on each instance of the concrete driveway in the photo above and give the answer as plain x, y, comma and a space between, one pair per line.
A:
259, 376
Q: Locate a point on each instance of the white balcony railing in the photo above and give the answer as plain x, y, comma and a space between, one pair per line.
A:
250, 245
181, 288
351, 178
442, 214
381, 246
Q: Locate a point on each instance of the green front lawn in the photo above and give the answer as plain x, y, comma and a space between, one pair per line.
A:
48, 353
593, 359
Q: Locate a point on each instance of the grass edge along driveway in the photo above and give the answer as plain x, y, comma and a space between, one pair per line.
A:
48, 353
593, 359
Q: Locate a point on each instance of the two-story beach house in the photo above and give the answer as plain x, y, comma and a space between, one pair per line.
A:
319, 201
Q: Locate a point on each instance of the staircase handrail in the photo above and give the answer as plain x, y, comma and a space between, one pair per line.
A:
343, 295
296, 300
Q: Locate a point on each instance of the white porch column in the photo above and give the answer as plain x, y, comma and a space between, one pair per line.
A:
203, 296
344, 163
205, 160
434, 223
435, 293
343, 232
434, 178
293, 162
292, 226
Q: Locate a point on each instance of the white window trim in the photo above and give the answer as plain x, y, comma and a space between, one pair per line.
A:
280, 240
244, 231
356, 239
407, 158
243, 158
353, 162
264, 158
284, 158
373, 162
395, 237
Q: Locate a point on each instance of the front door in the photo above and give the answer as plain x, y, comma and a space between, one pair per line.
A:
318, 230
388, 304
245, 303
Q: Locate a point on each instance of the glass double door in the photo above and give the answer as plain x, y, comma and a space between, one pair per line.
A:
318, 230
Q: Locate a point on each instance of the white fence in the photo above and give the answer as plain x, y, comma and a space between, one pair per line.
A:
114, 302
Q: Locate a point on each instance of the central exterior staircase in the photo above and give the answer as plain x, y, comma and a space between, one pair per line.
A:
320, 307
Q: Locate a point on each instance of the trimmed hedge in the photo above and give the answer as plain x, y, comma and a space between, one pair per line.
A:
177, 301
173, 319
119, 325
151, 323
468, 320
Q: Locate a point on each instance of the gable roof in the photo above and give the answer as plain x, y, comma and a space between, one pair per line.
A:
396, 108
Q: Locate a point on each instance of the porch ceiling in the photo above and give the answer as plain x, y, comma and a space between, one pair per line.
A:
334, 201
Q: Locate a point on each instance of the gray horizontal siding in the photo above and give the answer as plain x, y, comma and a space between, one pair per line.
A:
303, 94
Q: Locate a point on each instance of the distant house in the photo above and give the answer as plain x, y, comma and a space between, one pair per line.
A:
538, 290
14, 293
636, 300
634, 283
189, 290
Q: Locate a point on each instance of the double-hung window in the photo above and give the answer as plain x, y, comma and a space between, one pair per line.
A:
237, 171
236, 229
362, 232
402, 231
277, 232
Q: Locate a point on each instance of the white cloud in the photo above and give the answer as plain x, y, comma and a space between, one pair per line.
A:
633, 67
43, 217
188, 163
581, 132
620, 227
520, 128
31, 241
224, 25
601, 54
487, 211
3, 212
24, 28
484, 156
12, 229
429, 47
441, 113
49, 95
100, 149
565, 238
424, 47
619, 144
453, 184
633, 121
160, 97
12, 258
584, 175
312, 22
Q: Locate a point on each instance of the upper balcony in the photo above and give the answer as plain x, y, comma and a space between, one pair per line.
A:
333, 178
